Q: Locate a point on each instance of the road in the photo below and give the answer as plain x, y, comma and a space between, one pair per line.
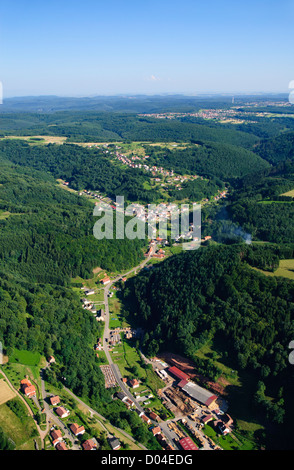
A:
52, 418
113, 366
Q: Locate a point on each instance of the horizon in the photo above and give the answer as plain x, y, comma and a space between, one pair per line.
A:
130, 94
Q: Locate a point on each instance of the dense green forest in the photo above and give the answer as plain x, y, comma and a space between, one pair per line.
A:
82, 168
101, 127
213, 293
210, 159
277, 149
259, 206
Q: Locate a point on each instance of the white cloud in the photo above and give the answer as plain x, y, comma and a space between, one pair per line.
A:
153, 78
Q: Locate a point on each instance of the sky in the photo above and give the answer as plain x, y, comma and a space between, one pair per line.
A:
99, 47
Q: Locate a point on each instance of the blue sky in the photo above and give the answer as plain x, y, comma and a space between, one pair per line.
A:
84, 48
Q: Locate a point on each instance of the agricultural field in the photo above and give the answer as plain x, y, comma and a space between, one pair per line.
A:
285, 269
38, 139
6, 393
289, 193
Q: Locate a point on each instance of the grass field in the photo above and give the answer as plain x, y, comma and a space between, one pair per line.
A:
6, 393
38, 139
285, 269
289, 193
21, 431
228, 442
27, 358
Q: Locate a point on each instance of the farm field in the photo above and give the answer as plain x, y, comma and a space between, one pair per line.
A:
38, 139
6, 393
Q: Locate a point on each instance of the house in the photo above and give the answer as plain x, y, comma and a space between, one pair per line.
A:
122, 396
27, 388
223, 428
114, 443
161, 439
129, 403
62, 412
156, 430
56, 436
90, 444
105, 280
89, 291
61, 446
205, 419
146, 419
54, 400
51, 359
134, 383
76, 429
154, 416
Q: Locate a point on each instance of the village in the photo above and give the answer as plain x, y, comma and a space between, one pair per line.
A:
193, 416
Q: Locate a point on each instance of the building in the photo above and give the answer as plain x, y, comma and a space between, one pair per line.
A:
54, 400
146, 419
89, 291
134, 383
27, 388
105, 280
90, 444
62, 412
56, 436
223, 428
156, 430
178, 373
203, 396
187, 444
51, 359
114, 443
154, 416
122, 396
61, 446
205, 419
76, 429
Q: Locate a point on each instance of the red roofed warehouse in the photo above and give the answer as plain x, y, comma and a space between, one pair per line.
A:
187, 444
178, 373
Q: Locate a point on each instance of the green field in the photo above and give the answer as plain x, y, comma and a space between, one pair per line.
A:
21, 430
27, 358
285, 269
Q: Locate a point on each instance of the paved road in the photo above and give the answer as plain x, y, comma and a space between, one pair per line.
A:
113, 366
102, 418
